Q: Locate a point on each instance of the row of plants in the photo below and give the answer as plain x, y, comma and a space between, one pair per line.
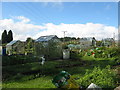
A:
103, 77
74, 55
18, 59
105, 52
102, 52
113, 59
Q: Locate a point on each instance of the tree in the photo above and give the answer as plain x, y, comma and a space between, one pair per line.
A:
9, 36
93, 42
98, 43
29, 46
4, 37
78, 38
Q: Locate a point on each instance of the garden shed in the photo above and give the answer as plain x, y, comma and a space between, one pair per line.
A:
108, 42
49, 46
15, 47
87, 42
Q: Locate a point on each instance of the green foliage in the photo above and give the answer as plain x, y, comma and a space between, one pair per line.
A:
67, 39
4, 37
101, 75
15, 72
18, 59
64, 46
21, 76
105, 78
99, 54
75, 55
29, 46
105, 52
117, 61
98, 43
42, 82
9, 36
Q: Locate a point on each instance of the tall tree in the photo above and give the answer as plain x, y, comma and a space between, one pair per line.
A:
29, 45
4, 37
9, 36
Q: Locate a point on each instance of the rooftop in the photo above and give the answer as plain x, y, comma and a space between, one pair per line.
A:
45, 38
12, 42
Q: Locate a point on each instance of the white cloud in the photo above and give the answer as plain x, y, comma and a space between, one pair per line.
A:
23, 29
23, 19
80, 30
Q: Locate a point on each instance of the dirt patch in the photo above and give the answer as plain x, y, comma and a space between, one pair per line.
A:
117, 88
117, 69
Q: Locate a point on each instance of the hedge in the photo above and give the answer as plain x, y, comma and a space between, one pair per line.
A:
18, 59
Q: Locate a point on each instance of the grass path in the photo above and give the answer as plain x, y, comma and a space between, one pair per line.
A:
43, 82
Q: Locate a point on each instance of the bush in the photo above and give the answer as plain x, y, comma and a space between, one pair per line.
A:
18, 59
104, 78
75, 55
107, 52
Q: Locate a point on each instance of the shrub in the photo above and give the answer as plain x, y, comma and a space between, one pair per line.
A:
18, 59
107, 52
75, 55
104, 78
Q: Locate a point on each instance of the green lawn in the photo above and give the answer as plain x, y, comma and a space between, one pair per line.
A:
42, 82
33, 75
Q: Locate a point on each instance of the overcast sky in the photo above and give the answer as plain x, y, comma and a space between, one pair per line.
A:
79, 19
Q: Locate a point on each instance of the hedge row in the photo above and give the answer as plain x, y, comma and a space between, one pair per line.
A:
18, 59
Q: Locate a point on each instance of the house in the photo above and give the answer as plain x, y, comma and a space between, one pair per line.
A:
45, 40
15, 47
49, 46
48, 38
108, 42
87, 42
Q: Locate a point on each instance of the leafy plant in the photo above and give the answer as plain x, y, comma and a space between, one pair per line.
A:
105, 78
18, 59
75, 55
